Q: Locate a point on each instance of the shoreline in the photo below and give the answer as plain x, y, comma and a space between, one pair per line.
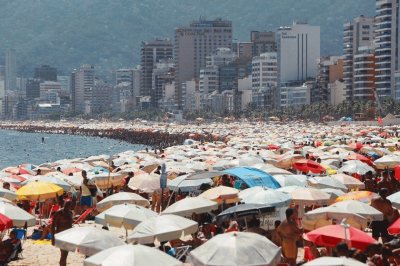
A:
155, 136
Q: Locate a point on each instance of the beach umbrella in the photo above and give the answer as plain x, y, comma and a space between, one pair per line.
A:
308, 166
39, 191
244, 210
349, 181
394, 228
395, 199
183, 184
145, 182
344, 209
163, 228
221, 194
291, 180
7, 194
334, 261
50, 179
326, 182
5, 222
331, 235
107, 180
387, 161
236, 248
362, 195
268, 197
87, 240
356, 167
333, 192
17, 215
308, 196
272, 170
187, 206
120, 198
362, 158
289, 189
128, 215
131, 255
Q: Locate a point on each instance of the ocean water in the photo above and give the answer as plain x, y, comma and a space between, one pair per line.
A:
18, 147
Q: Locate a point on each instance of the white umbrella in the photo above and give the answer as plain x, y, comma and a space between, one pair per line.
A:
355, 167
120, 198
7, 194
387, 161
291, 180
186, 185
187, 206
145, 182
327, 182
88, 240
106, 180
310, 196
349, 181
268, 197
127, 215
17, 215
131, 255
236, 248
347, 208
334, 261
163, 228
395, 199
333, 192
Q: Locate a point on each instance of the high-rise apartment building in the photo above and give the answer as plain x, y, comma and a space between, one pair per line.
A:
131, 77
298, 52
82, 82
357, 34
45, 73
193, 44
263, 42
152, 52
387, 46
11, 70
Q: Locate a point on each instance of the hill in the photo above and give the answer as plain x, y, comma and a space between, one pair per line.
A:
68, 33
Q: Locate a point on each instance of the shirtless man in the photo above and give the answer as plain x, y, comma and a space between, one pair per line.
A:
62, 220
289, 232
379, 228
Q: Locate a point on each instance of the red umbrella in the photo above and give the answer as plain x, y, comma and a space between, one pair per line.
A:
273, 147
307, 166
362, 158
5, 222
331, 235
356, 146
394, 229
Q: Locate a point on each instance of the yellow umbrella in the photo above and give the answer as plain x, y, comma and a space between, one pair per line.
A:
39, 191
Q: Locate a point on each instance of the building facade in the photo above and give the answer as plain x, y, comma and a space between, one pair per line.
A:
11, 70
357, 33
151, 53
193, 44
298, 52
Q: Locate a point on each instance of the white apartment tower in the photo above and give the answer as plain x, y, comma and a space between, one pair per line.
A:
387, 48
358, 36
82, 85
298, 52
193, 44
11, 70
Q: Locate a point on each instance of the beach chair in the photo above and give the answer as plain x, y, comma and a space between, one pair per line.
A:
182, 252
83, 216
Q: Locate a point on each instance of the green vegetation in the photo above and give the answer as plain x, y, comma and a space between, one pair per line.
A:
68, 33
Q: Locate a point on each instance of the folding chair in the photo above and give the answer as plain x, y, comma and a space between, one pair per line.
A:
83, 216
182, 252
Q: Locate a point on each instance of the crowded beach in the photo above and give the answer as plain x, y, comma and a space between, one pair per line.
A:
209, 194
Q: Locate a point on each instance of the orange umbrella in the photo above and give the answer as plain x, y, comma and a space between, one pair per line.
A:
363, 196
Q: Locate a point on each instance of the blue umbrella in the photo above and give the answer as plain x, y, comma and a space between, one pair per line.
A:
253, 177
